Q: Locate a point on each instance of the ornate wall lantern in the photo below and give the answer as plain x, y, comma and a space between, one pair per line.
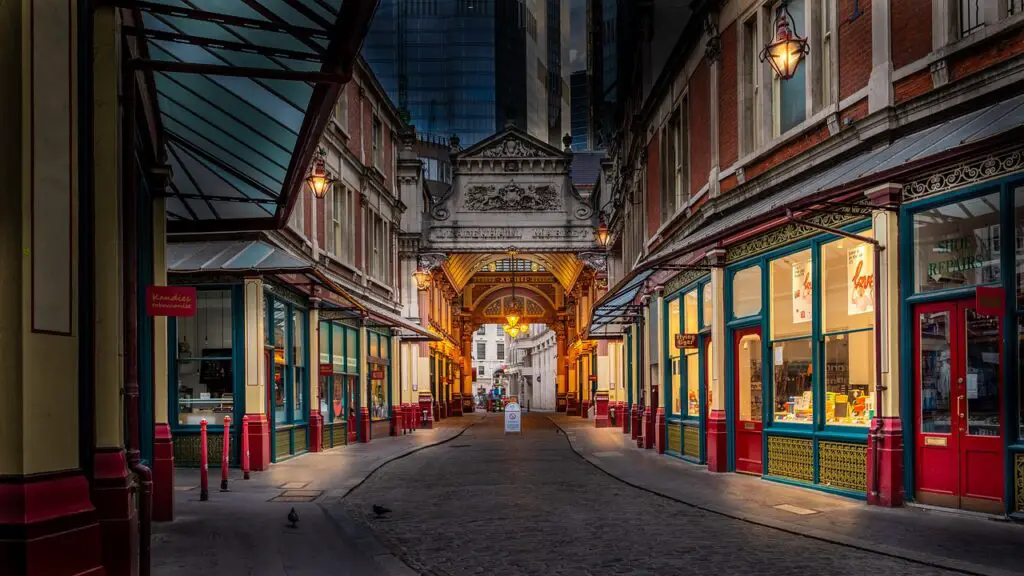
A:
319, 179
422, 278
602, 232
786, 50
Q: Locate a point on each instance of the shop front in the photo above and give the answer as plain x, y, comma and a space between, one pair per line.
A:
963, 257
339, 382
800, 354
687, 355
378, 386
287, 339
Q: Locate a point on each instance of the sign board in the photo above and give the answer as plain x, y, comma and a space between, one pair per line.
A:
592, 378
326, 369
513, 418
991, 300
170, 301
376, 375
684, 341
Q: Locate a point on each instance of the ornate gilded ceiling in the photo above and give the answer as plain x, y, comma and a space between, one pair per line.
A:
461, 267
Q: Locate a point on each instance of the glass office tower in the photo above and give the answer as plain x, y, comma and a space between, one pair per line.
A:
460, 66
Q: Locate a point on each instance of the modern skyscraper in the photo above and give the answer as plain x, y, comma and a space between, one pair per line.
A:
602, 64
465, 67
579, 110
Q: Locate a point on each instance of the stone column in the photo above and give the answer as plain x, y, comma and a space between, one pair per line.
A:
561, 368
885, 442
467, 370
256, 375
163, 446
316, 418
363, 424
717, 429
46, 515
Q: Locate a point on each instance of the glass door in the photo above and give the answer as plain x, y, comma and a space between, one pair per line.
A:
748, 400
958, 447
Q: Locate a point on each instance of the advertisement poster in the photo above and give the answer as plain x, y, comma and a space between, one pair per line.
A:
802, 292
860, 285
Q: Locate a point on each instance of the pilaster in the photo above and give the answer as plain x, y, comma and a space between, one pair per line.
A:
880, 91
316, 418
717, 454
256, 374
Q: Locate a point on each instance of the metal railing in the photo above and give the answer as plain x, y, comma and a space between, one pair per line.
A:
971, 17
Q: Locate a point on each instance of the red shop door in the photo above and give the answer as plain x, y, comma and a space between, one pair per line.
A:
958, 400
747, 400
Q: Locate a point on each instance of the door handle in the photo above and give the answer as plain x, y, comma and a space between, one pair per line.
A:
959, 405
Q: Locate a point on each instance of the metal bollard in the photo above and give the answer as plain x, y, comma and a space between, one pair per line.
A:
204, 464
245, 447
225, 455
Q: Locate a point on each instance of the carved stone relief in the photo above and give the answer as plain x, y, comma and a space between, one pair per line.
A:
512, 198
511, 147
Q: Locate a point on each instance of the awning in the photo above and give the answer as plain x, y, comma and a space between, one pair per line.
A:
244, 90
613, 314
258, 257
976, 130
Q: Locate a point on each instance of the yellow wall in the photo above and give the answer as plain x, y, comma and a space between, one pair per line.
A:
255, 368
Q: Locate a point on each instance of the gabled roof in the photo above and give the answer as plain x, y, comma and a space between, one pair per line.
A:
519, 145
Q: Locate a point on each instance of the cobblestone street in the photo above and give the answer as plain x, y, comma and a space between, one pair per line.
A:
489, 504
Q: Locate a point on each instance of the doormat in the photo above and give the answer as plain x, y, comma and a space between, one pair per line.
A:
297, 496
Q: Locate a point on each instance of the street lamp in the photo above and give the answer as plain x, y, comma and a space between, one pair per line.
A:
602, 232
319, 179
786, 50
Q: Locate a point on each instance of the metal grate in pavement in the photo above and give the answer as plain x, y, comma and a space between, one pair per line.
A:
297, 496
795, 509
609, 454
293, 485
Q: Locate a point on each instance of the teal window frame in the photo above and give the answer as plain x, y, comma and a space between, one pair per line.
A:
290, 370
336, 331
703, 337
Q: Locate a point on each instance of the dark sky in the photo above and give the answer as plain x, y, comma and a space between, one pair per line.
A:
578, 31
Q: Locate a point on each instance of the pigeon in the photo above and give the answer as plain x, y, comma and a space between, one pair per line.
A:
293, 517
379, 510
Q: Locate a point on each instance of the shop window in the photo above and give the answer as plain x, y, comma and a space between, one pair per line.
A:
707, 301
204, 360
690, 312
748, 369
708, 372
298, 360
746, 292
378, 403
1018, 200
789, 97
791, 296
675, 394
794, 398
691, 356
352, 349
849, 374
337, 348
957, 245
279, 319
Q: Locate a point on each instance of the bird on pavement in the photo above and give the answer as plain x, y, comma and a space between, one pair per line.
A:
293, 517
380, 511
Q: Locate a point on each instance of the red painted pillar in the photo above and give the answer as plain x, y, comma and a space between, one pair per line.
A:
885, 446
316, 431
259, 441
396, 421
163, 474
364, 424
623, 416
716, 441
602, 418
115, 511
634, 423
659, 439
53, 526
649, 428
352, 436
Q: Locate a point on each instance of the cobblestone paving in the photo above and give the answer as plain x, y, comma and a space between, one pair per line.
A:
489, 504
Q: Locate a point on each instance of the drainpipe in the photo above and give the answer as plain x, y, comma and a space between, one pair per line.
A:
876, 435
130, 287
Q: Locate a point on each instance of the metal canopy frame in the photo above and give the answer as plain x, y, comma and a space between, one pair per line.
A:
243, 91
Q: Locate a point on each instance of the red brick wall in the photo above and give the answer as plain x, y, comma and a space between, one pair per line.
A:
854, 47
983, 56
653, 186
728, 131
321, 219
355, 113
912, 86
700, 126
795, 146
911, 31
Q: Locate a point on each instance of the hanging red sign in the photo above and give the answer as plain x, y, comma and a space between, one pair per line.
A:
592, 378
170, 301
376, 375
326, 370
990, 300
684, 341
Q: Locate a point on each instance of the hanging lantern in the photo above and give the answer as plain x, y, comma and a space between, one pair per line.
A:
602, 232
512, 331
786, 50
319, 179
512, 315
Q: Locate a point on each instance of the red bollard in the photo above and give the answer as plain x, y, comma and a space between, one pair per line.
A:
245, 447
204, 464
225, 455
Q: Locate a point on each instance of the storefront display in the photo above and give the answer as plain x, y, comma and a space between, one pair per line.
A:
205, 366
674, 391
691, 356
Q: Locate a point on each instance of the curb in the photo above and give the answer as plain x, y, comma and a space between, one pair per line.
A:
362, 535
924, 559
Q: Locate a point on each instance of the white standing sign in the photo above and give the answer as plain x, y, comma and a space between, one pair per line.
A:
513, 418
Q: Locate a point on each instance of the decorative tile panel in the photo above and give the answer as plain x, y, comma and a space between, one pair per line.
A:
965, 174
675, 437
338, 434
691, 441
187, 449
300, 439
1018, 482
791, 458
282, 443
843, 465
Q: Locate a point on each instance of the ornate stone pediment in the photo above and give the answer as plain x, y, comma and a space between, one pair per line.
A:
512, 197
511, 146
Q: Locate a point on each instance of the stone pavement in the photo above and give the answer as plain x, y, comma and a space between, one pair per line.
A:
243, 532
959, 541
494, 504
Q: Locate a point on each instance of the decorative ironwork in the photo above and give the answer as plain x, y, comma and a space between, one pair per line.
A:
187, 449
675, 438
512, 198
843, 465
493, 309
965, 174
1018, 482
691, 441
789, 233
683, 279
791, 458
